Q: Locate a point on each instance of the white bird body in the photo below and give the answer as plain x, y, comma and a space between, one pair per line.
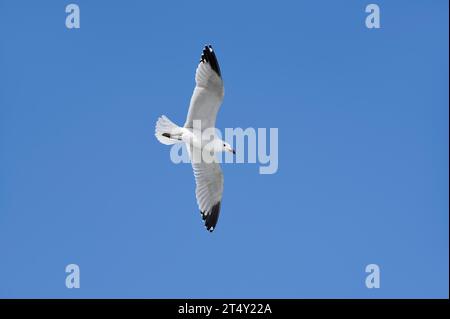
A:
205, 103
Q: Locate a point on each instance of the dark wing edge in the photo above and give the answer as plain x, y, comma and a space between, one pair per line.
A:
209, 56
211, 217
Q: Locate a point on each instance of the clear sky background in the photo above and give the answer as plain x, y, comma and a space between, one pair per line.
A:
363, 149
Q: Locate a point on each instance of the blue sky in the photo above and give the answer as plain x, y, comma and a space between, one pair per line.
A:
363, 150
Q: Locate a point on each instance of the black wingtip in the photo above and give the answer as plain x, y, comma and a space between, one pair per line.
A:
209, 56
212, 217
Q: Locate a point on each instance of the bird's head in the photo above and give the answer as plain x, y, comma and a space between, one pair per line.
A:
227, 147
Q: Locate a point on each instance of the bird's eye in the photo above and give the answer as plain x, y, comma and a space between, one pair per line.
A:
223, 145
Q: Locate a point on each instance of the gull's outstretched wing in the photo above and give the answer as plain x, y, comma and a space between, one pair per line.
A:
208, 93
209, 180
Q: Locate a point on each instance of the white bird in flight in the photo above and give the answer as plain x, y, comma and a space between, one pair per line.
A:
205, 102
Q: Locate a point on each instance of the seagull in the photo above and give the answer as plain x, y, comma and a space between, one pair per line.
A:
205, 103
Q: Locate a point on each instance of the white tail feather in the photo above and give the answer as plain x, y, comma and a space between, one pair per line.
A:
164, 125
